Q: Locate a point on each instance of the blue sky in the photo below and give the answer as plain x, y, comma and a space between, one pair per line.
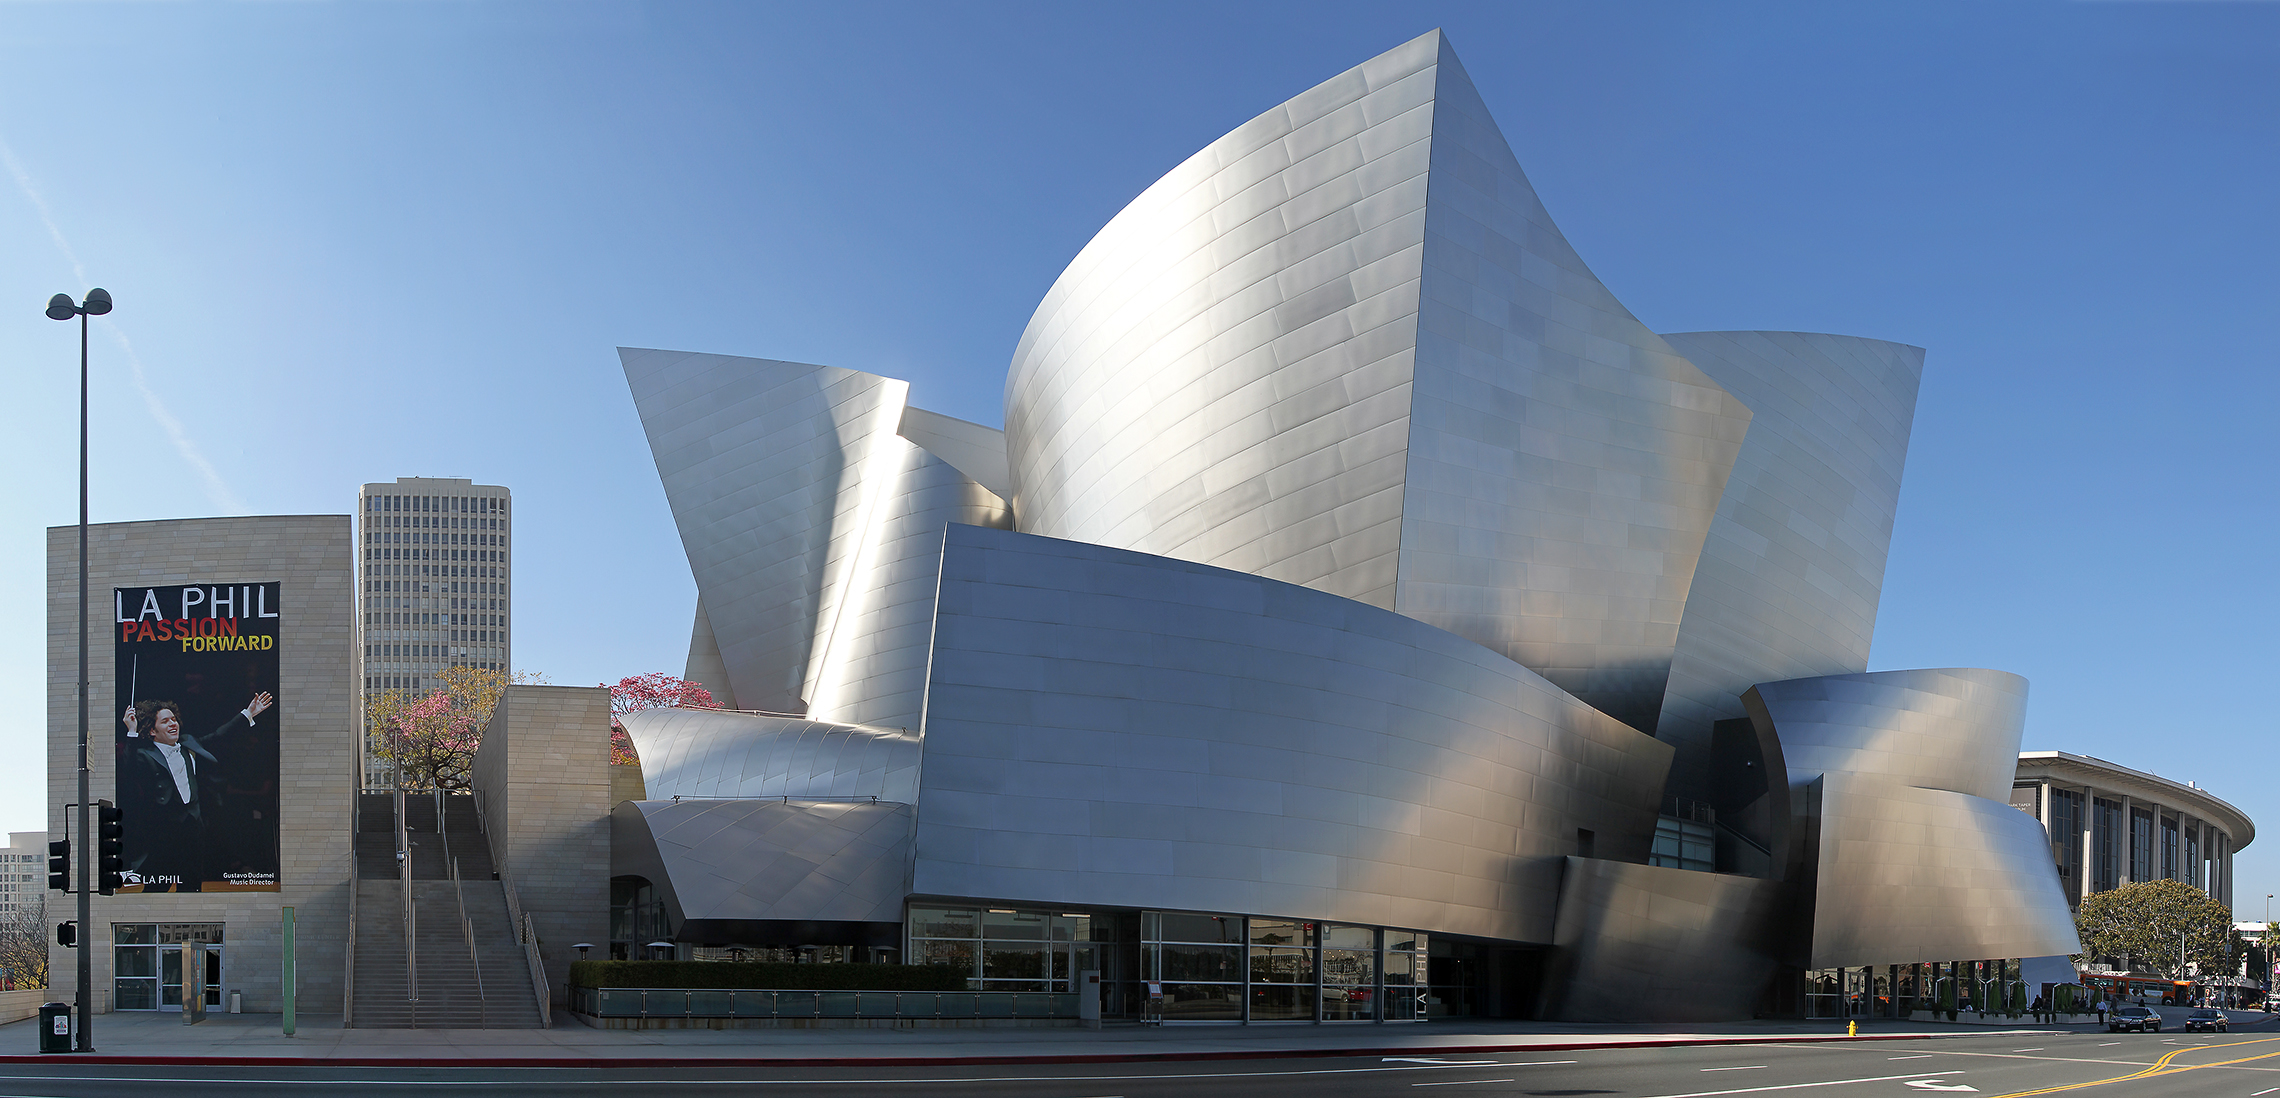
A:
466, 207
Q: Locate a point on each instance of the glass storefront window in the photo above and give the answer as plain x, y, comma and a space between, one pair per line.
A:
1349, 973
1007, 961
1174, 927
1209, 963
958, 955
937, 922
1004, 925
1203, 1002
1281, 932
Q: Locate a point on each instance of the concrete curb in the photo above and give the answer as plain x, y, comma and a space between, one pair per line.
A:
603, 1062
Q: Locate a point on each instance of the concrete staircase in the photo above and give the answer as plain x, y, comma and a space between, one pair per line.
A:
487, 987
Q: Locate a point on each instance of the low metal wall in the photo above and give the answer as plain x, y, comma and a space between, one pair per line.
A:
614, 1007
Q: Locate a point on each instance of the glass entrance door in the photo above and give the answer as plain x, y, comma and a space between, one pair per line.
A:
170, 977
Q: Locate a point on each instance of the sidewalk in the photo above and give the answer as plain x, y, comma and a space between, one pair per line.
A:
162, 1038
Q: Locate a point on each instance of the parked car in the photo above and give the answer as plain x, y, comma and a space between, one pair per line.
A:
2211, 1020
2135, 1018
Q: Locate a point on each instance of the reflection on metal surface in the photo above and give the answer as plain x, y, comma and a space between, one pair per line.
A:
767, 861
1920, 856
1952, 728
710, 753
1794, 564
1291, 357
1112, 728
1645, 943
1364, 536
811, 524
1909, 874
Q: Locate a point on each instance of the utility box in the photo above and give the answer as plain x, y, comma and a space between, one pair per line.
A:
55, 1027
237, 1001
1088, 998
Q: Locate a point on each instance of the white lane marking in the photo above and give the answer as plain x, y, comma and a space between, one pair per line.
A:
2101, 1044
1461, 1083
1934, 1084
1802, 1086
2258, 1094
1434, 1062
1918, 1056
1752, 1067
2014, 1050
745, 1082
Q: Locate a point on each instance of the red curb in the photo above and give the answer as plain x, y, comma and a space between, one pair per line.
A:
948, 1061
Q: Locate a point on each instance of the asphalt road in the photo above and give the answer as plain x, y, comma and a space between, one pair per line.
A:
2237, 1065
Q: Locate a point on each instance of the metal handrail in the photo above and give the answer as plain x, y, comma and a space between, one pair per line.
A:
526, 931
348, 979
411, 912
537, 974
467, 931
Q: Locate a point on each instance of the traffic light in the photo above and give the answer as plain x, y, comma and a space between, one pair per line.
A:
67, 934
110, 856
59, 865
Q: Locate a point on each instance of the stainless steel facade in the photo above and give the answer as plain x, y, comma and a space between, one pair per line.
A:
1351, 559
1346, 347
1794, 562
1125, 730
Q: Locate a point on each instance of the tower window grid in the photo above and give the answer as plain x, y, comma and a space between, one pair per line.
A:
434, 589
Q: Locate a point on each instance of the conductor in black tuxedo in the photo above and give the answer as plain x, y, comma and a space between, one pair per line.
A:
165, 799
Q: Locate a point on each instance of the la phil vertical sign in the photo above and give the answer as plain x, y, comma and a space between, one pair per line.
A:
197, 736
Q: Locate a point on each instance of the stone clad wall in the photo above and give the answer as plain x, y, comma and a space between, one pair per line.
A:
312, 556
544, 774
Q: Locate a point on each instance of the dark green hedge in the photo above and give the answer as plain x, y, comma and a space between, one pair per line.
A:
758, 976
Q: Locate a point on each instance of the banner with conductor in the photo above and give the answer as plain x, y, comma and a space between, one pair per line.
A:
196, 726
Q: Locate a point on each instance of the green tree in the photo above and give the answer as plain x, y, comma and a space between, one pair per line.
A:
2139, 926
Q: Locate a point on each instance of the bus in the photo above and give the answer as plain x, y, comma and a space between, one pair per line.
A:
2132, 987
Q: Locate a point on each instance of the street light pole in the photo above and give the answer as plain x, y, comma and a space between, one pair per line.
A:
60, 308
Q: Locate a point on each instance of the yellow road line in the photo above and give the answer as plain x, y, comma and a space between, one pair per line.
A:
2159, 1067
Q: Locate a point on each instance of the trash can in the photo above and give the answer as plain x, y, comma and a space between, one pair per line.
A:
55, 1027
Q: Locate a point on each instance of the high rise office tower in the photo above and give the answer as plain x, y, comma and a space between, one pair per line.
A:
437, 561
23, 872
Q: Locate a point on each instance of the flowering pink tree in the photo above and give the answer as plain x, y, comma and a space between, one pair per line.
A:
431, 740
655, 690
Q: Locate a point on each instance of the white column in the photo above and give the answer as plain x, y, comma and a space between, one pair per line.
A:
2089, 843
2128, 867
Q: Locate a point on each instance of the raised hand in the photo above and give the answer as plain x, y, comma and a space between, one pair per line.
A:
129, 720
261, 702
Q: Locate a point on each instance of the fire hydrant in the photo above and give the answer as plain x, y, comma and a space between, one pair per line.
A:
1852, 1029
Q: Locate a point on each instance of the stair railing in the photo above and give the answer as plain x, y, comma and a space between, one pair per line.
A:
348, 978
537, 974
526, 932
467, 931
411, 911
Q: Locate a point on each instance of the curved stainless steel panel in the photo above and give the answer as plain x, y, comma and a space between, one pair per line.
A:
1954, 728
812, 526
704, 666
764, 861
1292, 357
1106, 727
871, 667
1564, 461
1650, 943
1794, 564
1222, 373
1907, 874
711, 753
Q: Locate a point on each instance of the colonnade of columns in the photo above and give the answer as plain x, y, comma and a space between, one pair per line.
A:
2204, 862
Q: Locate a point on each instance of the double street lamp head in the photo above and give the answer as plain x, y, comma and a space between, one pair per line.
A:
60, 306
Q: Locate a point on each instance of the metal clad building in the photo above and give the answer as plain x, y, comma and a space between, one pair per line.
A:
1363, 616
